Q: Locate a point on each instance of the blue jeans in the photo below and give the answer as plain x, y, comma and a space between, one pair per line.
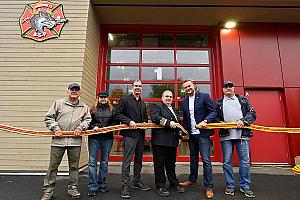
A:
200, 144
97, 181
243, 149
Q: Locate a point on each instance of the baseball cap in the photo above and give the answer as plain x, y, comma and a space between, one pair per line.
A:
228, 83
102, 94
74, 85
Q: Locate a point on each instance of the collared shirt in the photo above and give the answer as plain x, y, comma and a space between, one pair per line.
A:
139, 108
192, 115
172, 111
232, 113
137, 103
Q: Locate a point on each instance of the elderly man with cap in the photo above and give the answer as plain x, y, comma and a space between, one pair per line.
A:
66, 115
100, 144
235, 108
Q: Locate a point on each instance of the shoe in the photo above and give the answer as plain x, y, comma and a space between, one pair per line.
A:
47, 195
177, 188
92, 193
247, 192
73, 192
229, 191
209, 194
163, 192
140, 186
187, 184
104, 189
125, 193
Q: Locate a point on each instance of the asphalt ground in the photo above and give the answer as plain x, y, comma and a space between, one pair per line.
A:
267, 184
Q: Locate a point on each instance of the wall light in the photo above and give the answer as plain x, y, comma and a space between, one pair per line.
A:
230, 25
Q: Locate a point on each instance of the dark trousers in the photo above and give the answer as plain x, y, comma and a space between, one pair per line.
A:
164, 158
56, 156
132, 146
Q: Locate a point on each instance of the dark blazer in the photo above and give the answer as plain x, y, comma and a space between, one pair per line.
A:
205, 109
127, 111
249, 115
161, 115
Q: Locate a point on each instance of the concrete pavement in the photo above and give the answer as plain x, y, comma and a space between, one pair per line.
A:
268, 183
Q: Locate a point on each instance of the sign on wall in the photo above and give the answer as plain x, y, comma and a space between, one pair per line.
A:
42, 20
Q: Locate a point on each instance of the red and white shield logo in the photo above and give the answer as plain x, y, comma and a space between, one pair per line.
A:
42, 20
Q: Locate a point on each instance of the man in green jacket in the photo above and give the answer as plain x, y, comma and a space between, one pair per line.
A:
66, 115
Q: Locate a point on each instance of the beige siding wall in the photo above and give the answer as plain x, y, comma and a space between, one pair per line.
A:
90, 67
34, 74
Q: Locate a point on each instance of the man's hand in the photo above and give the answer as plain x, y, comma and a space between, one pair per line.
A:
77, 132
132, 125
58, 133
240, 124
173, 124
203, 124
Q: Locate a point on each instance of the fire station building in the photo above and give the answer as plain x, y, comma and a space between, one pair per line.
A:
106, 44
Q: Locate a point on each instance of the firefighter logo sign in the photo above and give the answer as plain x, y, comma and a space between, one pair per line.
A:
42, 20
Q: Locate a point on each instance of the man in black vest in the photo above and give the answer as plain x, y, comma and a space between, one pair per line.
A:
164, 143
131, 110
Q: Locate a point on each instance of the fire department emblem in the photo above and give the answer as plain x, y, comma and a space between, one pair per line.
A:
42, 20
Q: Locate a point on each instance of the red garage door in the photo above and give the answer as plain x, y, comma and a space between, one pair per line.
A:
268, 147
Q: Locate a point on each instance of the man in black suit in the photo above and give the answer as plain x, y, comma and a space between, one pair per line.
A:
132, 110
164, 143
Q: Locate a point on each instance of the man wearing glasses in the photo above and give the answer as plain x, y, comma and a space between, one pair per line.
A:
131, 110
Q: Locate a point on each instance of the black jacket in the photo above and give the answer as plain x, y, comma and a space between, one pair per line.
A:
161, 115
249, 115
127, 111
101, 118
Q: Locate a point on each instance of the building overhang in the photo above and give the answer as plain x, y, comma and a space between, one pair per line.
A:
193, 12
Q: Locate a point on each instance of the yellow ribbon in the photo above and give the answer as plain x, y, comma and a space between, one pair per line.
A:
295, 169
253, 127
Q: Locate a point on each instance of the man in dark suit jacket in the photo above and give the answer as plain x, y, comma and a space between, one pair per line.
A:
132, 110
164, 144
198, 108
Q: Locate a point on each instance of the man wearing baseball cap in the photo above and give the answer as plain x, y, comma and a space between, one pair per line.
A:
236, 108
68, 114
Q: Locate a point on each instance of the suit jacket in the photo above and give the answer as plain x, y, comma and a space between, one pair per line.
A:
204, 108
161, 115
127, 111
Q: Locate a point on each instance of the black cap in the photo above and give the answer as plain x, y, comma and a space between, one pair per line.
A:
74, 85
228, 83
102, 94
